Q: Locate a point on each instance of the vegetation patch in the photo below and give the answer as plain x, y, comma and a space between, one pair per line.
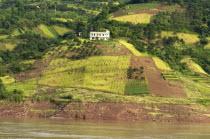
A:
50, 32
135, 18
10, 46
28, 86
170, 76
61, 30
7, 80
132, 48
207, 46
136, 87
192, 66
188, 38
3, 36
63, 19
161, 64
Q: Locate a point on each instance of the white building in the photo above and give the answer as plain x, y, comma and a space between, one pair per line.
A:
100, 35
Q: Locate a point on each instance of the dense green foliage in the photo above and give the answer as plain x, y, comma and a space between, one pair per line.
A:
20, 20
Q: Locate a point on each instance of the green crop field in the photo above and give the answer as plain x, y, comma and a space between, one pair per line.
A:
48, 31
192, 66
161, 64
135, 18
136, 87
188, 38
106, 73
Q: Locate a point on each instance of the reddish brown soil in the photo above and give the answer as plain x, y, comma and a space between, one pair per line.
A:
152, 12
40, 68
157, 85
104, 111
109, 50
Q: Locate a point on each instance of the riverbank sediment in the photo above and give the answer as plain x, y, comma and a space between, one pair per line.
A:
107, 111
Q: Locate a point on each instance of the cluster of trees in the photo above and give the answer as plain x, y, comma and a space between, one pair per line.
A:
15, 95
85, 50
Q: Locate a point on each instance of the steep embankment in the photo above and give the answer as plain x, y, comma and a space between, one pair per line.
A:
107, 111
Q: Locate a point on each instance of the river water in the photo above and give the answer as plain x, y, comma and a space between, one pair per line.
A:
39, 128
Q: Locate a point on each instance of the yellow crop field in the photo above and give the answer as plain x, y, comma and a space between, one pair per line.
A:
3, 36
61, 30
47, 31
192, 66
7, 80
28, 87
135, 18
10, 46
132, 48
106, 73
161, 64
63, 19
188, 38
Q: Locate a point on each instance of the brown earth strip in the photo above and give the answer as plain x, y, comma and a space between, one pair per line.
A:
41, 67
105, 111
157, 85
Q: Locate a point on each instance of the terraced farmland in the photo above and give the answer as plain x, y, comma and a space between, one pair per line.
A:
135, 18
106, 73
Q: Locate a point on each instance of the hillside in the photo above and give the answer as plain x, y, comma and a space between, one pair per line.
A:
157, 57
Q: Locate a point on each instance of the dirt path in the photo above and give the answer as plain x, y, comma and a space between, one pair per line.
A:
157, 85
41, 67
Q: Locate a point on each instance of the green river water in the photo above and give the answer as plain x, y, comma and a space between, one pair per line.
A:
51, 128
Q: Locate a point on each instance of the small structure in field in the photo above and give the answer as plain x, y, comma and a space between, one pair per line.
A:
100, 35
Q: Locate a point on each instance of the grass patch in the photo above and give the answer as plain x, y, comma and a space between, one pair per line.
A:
4, 36
61, 30
208, 45
10, 46
161, 64
46, 111
7, 80
135, 7
48, 31
28, 86
63, 19
135, 19
192, 66
188, 38
87, 95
